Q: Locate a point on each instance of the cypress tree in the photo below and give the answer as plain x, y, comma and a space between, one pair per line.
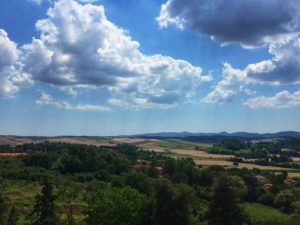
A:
44, 211
4, 205
12, 217
224, 207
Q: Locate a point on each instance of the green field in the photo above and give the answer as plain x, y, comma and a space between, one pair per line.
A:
267, 214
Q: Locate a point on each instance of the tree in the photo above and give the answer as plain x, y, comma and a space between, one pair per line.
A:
284, 200
267, 198
117, 206
37, 159
232, 144
174, 203
296, 215
44, 212
139, 181
12, 217
4, 205
224, 208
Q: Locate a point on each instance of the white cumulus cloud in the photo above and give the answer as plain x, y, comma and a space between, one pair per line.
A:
282, 99
11, 77
234, 82
46, 99
79, 47
282, 69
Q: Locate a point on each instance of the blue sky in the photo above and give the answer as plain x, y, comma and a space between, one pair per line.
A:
113, 67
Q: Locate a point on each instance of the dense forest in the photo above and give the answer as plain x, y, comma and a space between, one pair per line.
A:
71, 184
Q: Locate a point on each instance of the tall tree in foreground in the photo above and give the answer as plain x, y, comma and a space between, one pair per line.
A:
12, 217
4, 205
174, 204
44, 212
224, 208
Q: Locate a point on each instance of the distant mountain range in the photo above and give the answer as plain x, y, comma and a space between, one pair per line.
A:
184, 134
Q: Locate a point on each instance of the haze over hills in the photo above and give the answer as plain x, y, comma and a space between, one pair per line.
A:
184, 134
190, 136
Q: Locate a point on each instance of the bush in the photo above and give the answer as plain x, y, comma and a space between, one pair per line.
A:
117, 206
284, 200
267, 198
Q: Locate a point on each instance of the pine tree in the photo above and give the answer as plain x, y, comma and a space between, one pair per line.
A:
224, 207
44, 211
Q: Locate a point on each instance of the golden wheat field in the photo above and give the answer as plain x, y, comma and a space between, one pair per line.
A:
200, 154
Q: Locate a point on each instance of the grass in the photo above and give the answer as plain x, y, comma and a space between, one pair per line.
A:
161, 145
177, 156
266, 214
181, 144
23, 195
167, 144
244, 152
104, 140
